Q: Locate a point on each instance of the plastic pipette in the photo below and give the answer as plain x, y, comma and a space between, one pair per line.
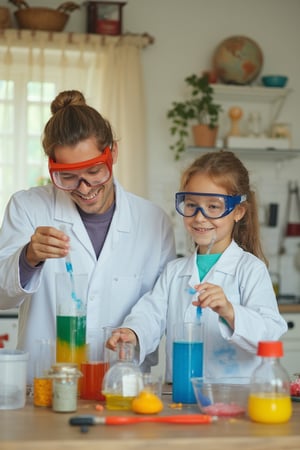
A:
209, 247
69, 268
198, 313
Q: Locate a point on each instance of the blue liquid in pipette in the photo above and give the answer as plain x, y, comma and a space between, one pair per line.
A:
199, 313
69, 268
199, 309
193, 291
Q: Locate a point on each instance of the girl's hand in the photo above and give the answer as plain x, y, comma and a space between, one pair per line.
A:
47, 242
121, 335
212, 296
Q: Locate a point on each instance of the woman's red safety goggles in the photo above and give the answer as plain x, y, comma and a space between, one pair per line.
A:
93, 172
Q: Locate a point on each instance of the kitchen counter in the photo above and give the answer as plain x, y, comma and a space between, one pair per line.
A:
289, 308
33, 428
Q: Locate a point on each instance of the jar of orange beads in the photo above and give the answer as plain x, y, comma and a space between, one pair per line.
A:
269, 399
42, 384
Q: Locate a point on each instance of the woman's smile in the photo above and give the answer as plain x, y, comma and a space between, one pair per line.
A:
88, 197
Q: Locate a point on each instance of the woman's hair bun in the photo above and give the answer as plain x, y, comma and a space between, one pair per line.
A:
67, 98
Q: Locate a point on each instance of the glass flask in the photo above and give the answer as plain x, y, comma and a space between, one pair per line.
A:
269, 399
123, 381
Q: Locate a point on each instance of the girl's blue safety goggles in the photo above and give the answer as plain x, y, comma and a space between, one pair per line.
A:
212, 206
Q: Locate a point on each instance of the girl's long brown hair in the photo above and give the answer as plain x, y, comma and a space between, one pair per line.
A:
226, 170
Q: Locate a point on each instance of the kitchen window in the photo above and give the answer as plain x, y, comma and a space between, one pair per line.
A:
35, 67
22, 161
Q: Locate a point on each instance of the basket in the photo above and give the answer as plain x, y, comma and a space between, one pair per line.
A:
44, 19
5, 21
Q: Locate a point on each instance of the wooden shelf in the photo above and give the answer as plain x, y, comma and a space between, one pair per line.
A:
275, 97
257, 94
255, 153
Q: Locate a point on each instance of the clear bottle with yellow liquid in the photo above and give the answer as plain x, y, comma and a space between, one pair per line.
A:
269, 399
123, 381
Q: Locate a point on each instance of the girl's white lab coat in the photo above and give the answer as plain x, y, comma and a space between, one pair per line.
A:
138, 245
247, 285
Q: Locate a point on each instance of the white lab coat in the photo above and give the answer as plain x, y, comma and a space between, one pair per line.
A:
138, 245
246, 283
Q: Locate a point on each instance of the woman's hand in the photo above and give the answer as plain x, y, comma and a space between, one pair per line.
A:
212, 296
47, 242
121, 335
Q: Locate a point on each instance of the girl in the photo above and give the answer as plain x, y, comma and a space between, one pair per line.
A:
226, 278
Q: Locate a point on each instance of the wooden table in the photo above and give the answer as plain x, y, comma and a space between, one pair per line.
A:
33, 428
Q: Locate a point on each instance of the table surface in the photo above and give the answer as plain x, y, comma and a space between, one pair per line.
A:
41, 428
289, 308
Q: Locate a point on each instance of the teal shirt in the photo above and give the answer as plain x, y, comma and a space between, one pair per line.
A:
205, 263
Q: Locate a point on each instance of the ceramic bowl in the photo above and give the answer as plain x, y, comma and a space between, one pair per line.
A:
274, 80
227, 397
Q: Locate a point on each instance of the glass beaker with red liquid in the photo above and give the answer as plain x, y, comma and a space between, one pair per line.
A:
95, 367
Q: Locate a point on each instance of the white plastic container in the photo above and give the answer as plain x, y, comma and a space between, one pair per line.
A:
13, 372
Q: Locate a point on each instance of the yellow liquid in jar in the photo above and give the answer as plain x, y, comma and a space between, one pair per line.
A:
117, 402
270, 408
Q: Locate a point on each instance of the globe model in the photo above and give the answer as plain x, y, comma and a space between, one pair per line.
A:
237, 60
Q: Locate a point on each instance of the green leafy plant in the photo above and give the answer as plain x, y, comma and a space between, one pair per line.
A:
199, 108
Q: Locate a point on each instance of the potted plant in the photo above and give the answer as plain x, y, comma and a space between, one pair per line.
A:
199, 109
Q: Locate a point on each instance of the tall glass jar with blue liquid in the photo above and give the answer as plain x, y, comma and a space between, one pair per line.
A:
187, 360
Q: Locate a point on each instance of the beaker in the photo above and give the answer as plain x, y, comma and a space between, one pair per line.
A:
187, 360
71, 317
94, 369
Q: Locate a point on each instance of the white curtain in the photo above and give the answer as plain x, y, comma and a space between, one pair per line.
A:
107, 69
